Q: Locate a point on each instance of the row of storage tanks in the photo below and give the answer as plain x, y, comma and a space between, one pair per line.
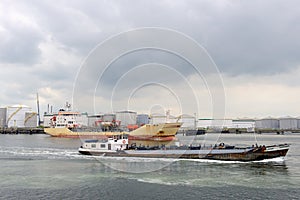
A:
18, 116
23, 116
284, 123
128, 118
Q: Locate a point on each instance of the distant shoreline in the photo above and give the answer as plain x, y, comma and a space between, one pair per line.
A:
16, 131
38, 130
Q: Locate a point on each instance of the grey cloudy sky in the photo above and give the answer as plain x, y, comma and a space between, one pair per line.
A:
255, 45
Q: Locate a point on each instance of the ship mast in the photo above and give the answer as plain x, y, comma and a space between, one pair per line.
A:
38, 108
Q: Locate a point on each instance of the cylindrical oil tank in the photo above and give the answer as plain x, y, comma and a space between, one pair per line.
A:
16, 115
84, 119
30, 120
157, 118
47, 119
188, 121
268, 123
142, 119
109, 117
95, 120
171, 119
221, 123
3, 112
288, 123
126, 117
258, 123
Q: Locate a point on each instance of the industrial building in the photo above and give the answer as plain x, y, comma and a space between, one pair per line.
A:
217, 124
221, 124
18, 116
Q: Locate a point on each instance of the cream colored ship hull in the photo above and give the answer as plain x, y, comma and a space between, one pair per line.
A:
147, 131
65, 132
158, 130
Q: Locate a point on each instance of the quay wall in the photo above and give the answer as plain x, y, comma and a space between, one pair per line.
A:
28, 131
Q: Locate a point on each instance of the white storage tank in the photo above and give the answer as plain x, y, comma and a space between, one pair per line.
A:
171, 119
3, 117
267, 123
204, 123
30, 120
189, 121
288, 123
47, 119
126, 118
258, 123
109, 117
16, 115
157, 118
84, 119
142, 119
95, 120
221, 123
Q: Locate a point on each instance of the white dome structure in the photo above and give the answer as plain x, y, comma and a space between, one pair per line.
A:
16, 115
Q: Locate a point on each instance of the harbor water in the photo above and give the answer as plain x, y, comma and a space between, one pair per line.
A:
44, 167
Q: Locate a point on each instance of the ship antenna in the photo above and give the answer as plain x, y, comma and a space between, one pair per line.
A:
68, 106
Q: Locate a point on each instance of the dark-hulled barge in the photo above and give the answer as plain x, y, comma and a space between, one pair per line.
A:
118, 146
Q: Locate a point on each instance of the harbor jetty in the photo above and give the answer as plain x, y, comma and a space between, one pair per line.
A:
15, 131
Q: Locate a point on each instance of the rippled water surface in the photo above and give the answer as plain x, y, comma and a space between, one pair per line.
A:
43, 167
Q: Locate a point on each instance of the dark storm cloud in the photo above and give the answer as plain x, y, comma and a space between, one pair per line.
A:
241, 36
256, 38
